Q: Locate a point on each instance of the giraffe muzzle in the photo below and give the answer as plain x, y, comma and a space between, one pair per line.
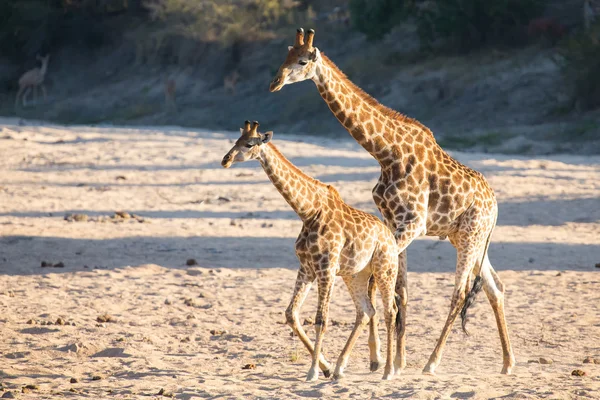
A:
227, 161
276, 84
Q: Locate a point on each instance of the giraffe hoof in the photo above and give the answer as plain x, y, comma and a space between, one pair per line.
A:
374, 366
326, 373
388, 377
507, 370
337, 376
312, 376
429, 370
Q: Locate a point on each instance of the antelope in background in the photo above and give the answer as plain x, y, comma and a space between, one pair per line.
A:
33, 79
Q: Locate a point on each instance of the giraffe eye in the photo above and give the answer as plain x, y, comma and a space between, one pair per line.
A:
302, 62
249, 145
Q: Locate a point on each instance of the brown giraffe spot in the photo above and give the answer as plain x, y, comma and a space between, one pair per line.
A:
419, 151
348, 123
444, 204
334, 107
378, 125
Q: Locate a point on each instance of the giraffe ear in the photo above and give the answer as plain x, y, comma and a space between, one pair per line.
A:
267, 136
312, 56
290, 47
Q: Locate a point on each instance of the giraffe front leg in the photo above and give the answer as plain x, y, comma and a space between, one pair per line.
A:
303, 284
326, 279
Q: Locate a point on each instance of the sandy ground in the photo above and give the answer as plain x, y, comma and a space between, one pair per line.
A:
190, 330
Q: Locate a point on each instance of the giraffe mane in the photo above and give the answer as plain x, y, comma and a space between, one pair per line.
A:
297, 170
371, 101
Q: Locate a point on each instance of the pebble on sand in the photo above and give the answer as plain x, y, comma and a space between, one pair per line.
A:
9, 395
546, 360
190, 262
105, 318
249, 366
74, 380
578, 372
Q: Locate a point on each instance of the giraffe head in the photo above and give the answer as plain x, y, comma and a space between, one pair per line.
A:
300, 63
247, 147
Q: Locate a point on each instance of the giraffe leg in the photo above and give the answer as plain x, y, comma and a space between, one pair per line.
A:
402, 293
384, 274
494, 289
374, 342
358, 286
467, 258
326, 279
303, 284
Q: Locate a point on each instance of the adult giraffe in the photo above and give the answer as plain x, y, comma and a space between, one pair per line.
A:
421, 190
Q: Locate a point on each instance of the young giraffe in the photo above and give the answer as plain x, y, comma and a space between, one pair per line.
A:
336, 239
421, 190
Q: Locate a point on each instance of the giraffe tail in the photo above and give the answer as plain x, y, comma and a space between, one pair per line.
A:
477, 285
398, 301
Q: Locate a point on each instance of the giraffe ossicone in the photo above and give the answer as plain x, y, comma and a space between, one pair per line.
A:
335, 240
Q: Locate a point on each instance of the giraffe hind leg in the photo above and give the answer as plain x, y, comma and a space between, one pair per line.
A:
494, 289
468, 257
358, 287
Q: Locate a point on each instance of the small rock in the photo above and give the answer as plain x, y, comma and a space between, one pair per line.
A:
74, 380
121, 178
191, 261
96, 378
105, 318
590, 360
31, 322
168, 302
217, 332
249, 366
60, 321
308, 321
190, 316
102, 325
32, 387
9, 395
545, 361
71, 323
122, 215
186, 339
161, 392
189, 302
225, 199
578, 372
73, 390
558, 274
533, 361
10, 293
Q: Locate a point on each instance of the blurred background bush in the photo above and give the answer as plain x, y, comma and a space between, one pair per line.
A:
516, 76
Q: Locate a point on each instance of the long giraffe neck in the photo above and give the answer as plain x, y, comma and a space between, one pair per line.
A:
374, 126
300, 191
